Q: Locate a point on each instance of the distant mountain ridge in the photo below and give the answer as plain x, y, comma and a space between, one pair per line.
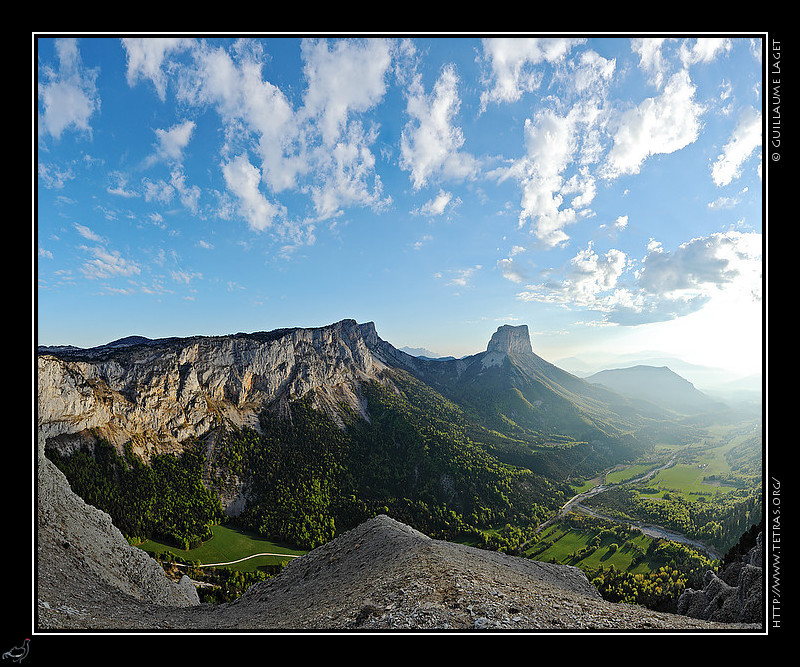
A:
658, 385
510, 388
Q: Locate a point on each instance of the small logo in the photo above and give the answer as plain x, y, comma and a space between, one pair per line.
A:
18, 653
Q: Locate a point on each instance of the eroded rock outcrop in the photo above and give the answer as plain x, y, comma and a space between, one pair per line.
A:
735, 595
81, 552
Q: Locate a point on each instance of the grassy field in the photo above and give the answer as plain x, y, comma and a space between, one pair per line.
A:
625, 473
229, 544
567, 542
688, 479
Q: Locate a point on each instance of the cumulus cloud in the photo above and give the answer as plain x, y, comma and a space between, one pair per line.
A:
708, 261
703, 49
430, 143
438, 204
550, 143
663, 285
243, 180
322, 147
145, 57
658, 125
651, 57
171, 142
69, 95
349, 77
512, 61
254, 111
562, 143
590, 281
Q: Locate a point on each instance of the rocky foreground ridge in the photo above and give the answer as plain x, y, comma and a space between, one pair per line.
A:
382, 575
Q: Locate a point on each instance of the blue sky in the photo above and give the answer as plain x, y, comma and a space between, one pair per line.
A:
605, 191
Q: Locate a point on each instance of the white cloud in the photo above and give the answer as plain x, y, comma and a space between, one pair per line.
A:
658, 125
555, 173
425, 238
171, 142
145, 57
512, 62
438, 204
550, 143
250, 108
430, 142
702, 262
243, 180
651, 58
347, 175
321, 149
590, 276
87, 233
727, 202
185, 277
464, 276
591, 73
189, 195
68, 96
53, 176
158, 191
665, 286
703, 50
744, 140
347, 78
108, 264
119, 185
510, 269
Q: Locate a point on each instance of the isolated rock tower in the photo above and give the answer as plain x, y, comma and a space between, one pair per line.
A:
511, 340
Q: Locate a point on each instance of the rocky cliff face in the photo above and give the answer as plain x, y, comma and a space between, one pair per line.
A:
734, 595
157, 394
82, 558
511, 340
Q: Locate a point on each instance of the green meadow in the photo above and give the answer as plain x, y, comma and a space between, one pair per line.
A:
624, 473
229, 544
694, 478
571, 546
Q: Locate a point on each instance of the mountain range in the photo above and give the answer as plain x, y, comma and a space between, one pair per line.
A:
157, 393
304, 434
337, 424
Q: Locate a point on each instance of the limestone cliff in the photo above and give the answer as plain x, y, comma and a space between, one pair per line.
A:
511, 340
157, 394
